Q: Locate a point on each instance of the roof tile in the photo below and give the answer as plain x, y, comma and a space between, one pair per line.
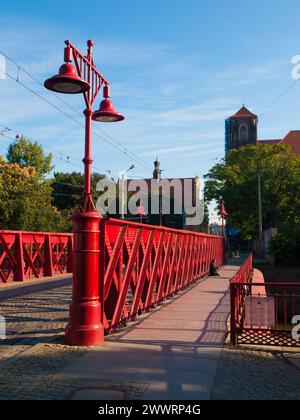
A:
244, 113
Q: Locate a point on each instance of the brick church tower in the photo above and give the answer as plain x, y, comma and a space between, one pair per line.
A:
241, 130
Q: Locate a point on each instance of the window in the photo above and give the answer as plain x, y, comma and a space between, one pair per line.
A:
243, 133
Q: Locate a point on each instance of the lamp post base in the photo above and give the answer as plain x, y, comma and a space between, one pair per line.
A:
85, 327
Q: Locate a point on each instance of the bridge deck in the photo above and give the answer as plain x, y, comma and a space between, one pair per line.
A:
173, 351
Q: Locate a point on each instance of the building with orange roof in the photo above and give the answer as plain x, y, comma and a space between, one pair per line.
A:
241, 130
292, 139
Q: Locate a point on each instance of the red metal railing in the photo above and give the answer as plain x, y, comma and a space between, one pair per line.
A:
263, 313
237, 283
143, 265
34, 254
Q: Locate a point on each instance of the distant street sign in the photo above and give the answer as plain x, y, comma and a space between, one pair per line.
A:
233, 232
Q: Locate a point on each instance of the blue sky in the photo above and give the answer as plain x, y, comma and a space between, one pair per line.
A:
177, 70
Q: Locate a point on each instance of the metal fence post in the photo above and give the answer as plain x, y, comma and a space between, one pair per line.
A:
48, 264
70, 255
233, 337
19, 269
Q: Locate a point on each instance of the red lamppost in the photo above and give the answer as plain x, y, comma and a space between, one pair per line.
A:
223, 214
85, 326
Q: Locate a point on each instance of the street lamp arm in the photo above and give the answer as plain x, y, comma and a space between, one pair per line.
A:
87, 59
128, 170
86, 70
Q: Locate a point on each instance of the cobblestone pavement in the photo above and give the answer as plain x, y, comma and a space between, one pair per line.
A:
34, 375
33, 318
256, 374
33, 357
33, 354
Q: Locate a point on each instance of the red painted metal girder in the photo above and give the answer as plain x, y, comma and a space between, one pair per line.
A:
150, 298
122, 296
163, 276
142, 277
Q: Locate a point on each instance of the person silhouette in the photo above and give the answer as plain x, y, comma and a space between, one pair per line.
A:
213, 270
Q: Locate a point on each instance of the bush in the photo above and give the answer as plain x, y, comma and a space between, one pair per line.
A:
286, 249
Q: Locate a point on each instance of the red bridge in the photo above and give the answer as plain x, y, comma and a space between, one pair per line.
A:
139, 267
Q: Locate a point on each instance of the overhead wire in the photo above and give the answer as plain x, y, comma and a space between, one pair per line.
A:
108, 139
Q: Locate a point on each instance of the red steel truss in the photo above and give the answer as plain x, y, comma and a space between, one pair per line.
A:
143, 265
34, 254
139, 265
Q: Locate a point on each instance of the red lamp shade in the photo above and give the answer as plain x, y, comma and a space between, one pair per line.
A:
67, 81
107, 112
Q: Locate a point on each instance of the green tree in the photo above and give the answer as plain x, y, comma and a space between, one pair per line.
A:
68, 189
27, 153
286, 247
235, 180
25, 202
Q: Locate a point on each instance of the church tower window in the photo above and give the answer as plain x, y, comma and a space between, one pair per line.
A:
243, 134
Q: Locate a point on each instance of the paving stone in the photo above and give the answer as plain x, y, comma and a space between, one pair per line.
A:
245, 374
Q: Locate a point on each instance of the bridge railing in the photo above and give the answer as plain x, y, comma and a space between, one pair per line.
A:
264, 313
141, 265
144, 265
237, 300
34, 254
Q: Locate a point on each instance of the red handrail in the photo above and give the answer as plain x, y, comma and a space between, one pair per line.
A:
245, 272
242, 277
34, 254
144, 265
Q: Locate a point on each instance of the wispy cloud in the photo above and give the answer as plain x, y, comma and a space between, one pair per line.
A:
183, 150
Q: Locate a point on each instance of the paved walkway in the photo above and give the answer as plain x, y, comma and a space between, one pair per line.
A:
174, 351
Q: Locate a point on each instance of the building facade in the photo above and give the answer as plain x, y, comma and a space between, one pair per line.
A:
172, 193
